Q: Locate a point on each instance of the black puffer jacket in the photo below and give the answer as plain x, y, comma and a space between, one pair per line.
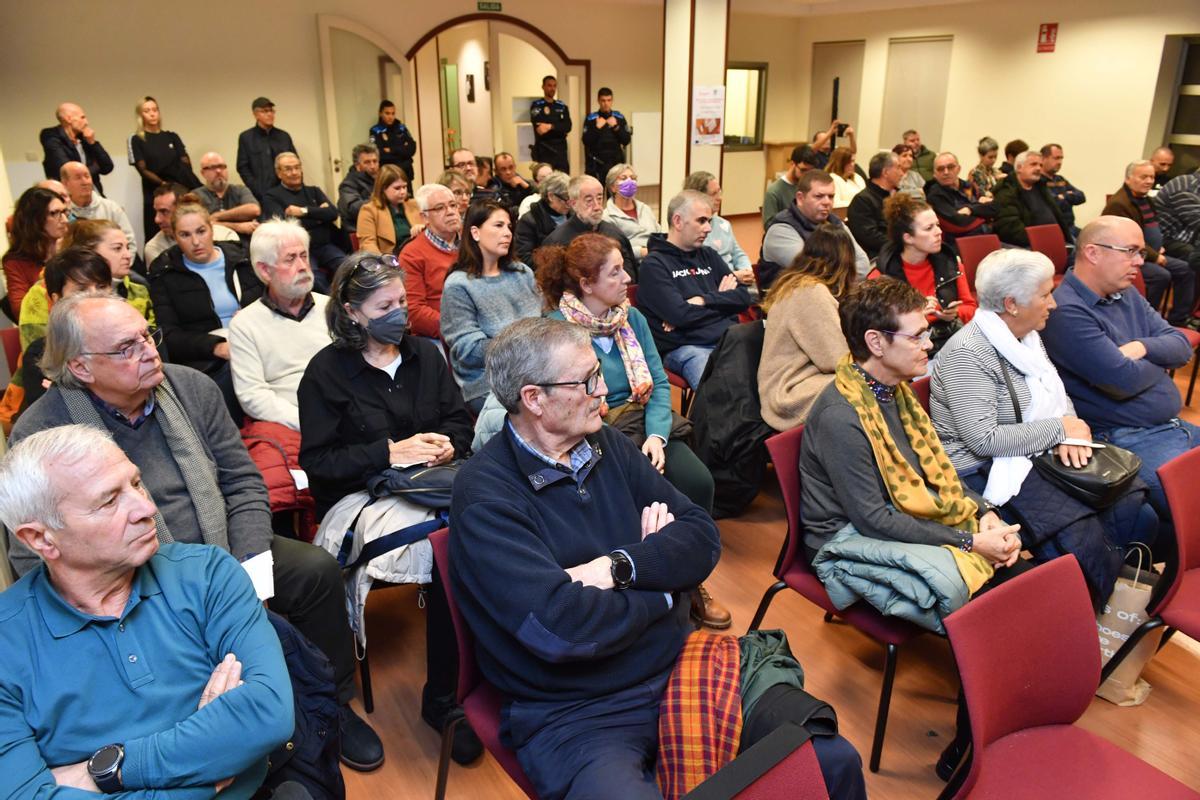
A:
184, 308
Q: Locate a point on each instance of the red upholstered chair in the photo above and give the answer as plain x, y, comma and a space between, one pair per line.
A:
797, 777
1192, 336
972, 250
354, 242
10, 338
1179, 606
1023, 706
1049, 240
479, 699
794, 572
920, 388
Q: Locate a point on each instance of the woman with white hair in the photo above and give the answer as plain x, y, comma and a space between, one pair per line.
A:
996, 401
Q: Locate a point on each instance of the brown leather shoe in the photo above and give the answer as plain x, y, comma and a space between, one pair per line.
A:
709, 612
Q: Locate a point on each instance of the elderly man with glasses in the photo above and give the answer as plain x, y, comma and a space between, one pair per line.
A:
230, 204
1114, 351
428, 257
586, 198
171, 422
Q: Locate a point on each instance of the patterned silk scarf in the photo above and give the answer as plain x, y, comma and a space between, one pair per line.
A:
615, 323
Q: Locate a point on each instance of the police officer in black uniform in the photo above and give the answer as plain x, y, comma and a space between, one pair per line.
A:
605, 134
551, 123
396, 145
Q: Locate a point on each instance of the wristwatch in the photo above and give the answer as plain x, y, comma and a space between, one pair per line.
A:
622, 570
105, 768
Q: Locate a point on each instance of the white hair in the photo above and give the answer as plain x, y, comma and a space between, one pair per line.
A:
270, 237
28, 491
1010, 273
425, 194
1134, 165
1020, 160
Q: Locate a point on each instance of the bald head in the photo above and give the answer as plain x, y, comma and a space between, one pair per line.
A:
77, 179
946, 169
56, 187
71, 117
1162, 159
214, 171
1108, 254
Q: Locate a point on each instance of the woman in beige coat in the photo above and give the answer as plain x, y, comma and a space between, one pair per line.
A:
804, 338
390, 217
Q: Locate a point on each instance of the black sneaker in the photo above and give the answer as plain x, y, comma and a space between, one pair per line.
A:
435, 710
361, 748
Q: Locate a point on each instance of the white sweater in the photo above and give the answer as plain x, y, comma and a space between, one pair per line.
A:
268, 355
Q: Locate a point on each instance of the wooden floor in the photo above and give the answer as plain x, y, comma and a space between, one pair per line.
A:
841, 665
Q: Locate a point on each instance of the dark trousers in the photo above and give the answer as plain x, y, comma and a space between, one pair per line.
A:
606, 747
441, 648
1178, 274
687, 473
310, 593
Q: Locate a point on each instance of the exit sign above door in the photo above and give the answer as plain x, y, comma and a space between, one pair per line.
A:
482, 6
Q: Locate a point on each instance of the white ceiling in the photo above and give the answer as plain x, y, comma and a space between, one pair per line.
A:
808, 8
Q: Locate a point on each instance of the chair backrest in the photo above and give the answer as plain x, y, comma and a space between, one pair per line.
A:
1044, 624
1178, 478
468, 670
631, 293
920, 388
10, 338
798, 777
1048, 240
1139, 282
785, 454
972, 249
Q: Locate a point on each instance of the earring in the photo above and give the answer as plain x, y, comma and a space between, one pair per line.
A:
1014, 313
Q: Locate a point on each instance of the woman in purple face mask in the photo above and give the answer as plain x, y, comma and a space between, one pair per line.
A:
635, 219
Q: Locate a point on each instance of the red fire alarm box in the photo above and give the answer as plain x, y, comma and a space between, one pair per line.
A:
1047, 36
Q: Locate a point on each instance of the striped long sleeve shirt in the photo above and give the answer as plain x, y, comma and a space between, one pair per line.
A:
1178, 205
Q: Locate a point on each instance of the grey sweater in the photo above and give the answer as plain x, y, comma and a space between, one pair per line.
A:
475, 310
841, 484
249, 515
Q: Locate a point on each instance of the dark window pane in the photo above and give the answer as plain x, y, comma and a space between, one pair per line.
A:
1191, 65
1187, 114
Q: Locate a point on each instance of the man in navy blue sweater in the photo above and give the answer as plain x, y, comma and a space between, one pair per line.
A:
1113, 351
687, 291
570, 559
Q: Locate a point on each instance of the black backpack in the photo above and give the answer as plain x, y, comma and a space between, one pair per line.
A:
310, 756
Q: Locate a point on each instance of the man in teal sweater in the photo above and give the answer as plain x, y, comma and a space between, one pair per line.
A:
126, 666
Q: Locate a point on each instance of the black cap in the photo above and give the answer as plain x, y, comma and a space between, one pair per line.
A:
261, 102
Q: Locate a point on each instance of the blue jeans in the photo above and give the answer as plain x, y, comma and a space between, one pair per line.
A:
688, 361
1155, 446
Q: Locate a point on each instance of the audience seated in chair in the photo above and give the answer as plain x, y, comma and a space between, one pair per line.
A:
1022, 201
1113, 352
390, 217
164, 199
358, 185
1179, 212
804, 340
171, 422
584, 283
376, 397
486, 290
576, 605
687, 293
785, 237
39, 222
586, 198
911, 182
201, 698
429, 257
230, 204
631, 216
985, 176
1159, 270
990, 433
543, 216
782, 193
960, 210
721, 237
865, 213
1064, 193
292, 198
88, 203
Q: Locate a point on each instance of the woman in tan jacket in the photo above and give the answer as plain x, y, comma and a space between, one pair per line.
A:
390, 217
804, 338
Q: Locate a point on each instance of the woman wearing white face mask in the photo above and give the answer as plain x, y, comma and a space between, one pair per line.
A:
635, 219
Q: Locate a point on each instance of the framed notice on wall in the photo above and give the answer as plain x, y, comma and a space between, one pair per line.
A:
708, 115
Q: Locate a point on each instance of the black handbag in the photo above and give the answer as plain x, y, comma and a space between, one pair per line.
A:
429, 487
1100, 482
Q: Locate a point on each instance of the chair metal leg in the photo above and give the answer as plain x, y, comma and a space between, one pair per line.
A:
1166, 638
767, 597
829, 616
364, 671
885, 701
1192, 380
959, 777
447, 747
1127, 648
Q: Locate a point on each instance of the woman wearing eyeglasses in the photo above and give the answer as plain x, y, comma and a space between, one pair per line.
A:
376, 397
914, 253
486, 290
991, 431
39, 221
196, 289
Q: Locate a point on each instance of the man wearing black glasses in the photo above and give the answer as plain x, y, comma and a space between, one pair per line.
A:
171, 422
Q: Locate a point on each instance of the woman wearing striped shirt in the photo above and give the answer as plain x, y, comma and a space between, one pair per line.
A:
991, 432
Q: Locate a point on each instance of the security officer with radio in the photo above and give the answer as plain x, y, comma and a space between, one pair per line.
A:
396, 145
605, 134
551, 123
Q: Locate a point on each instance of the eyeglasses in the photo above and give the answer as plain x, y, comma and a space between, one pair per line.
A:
462, 164
214, 166
920, 338
1128, 252
589, 383
134, 349
62, 212
442, 208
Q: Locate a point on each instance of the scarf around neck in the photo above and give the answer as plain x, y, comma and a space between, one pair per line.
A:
614, 323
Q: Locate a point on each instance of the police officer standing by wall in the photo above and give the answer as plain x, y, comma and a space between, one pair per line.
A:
551, 123
605, 134
396, 145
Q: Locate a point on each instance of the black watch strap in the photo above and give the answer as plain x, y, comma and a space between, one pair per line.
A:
105, 768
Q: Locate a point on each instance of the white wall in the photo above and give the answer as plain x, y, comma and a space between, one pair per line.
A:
521, 69
467, 46
1093, 95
